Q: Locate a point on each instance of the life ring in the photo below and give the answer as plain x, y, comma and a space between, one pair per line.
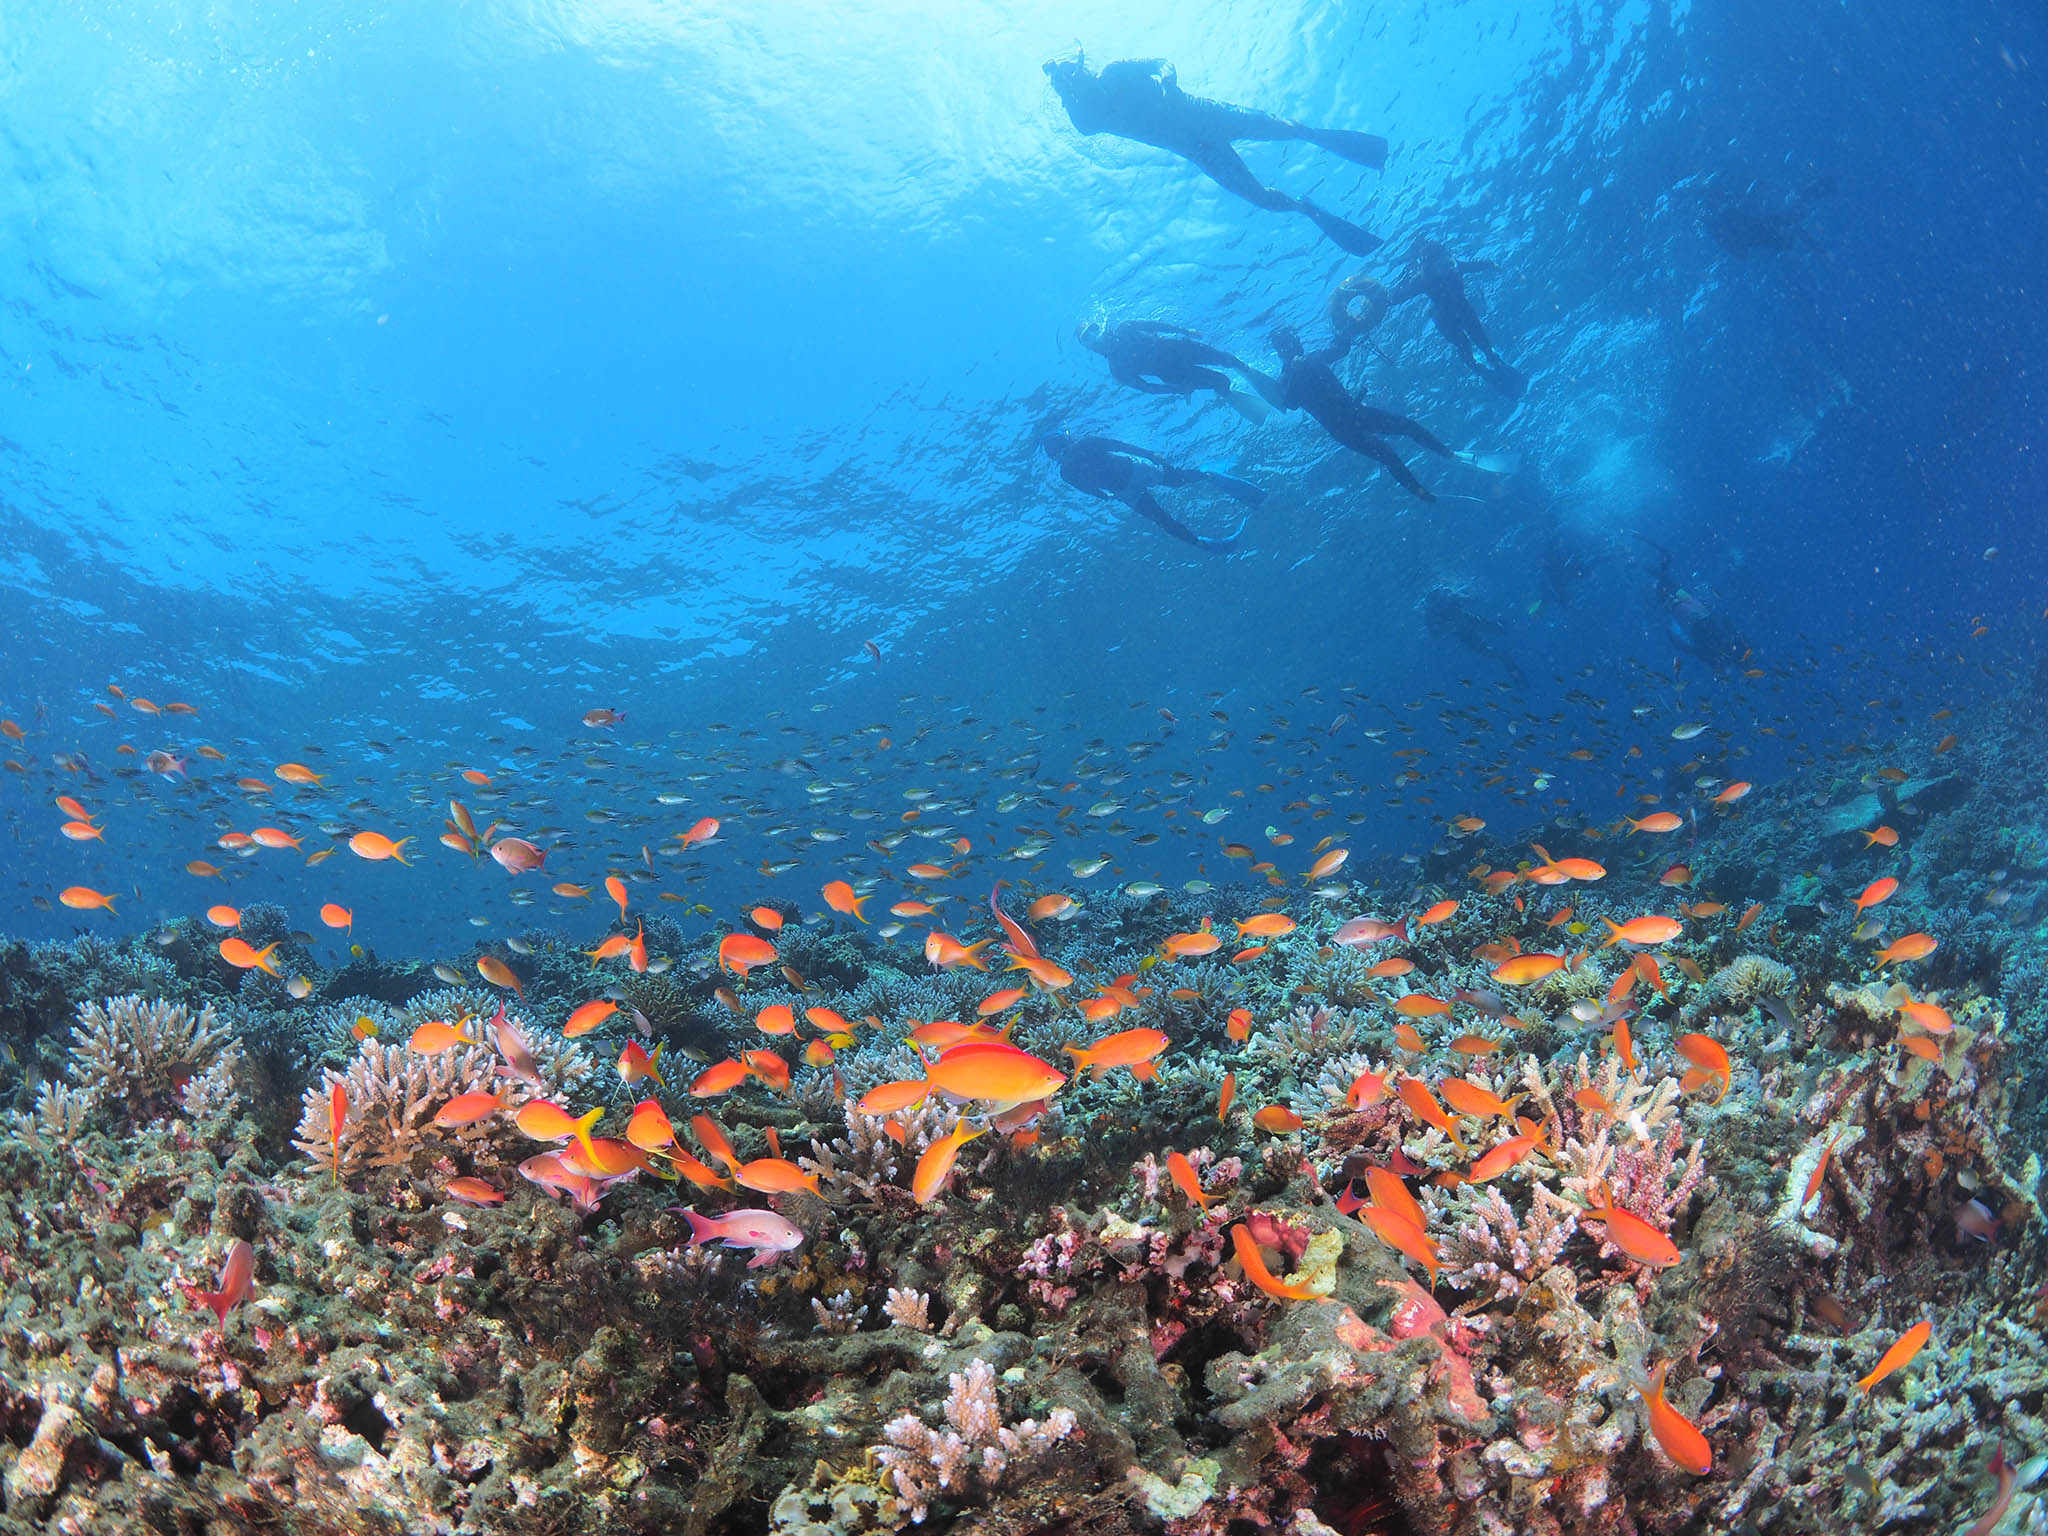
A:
1371, 297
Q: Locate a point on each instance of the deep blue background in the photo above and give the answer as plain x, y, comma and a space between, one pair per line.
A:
387, 373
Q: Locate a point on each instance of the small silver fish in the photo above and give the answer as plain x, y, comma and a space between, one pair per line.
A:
449, 974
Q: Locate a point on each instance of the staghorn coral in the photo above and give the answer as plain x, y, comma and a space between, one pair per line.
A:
1308, 1034
131, 1056
393, 1093
864, 1162
973, 1454
908, 1309
58, 1118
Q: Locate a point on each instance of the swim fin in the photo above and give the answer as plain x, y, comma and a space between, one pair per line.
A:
1366, 149
1250, 407
1268, 387
1347, 236
1235, 534
1491, 463
1238, 490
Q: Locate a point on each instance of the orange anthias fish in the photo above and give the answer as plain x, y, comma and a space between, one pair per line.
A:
1883, 837
1399, 1232
1709, 1059
436, 1036
1875, 892
1187, 1181
703, 832
711, 1136
473, 1191
498, 974
1909, 1344
1633, 1235
544, 1120
1133, 1048
993, 1073
82, 898
337, 1119
1267, 925
335, 916
516, 856
1523, 969
840, 898
376, 847
1657, 821
1367, 1089
1734, 792
1190, 946
1914, 946
1642, 930
224, 916
718, 1078
936, 1165
1277, 1120
1392, 966
467, 1109
588, 1016
299, 774
1931, 1017
634, 1064
945, 953
618, 944
1255, 1269
1225, 1095
1442, 912
1506, 1155
774, 1176
1043, 972
1470, 1098
1420, 1005
238, 953
1328, 864
1675, 1434
649, 1128
1423, 1105
742, 952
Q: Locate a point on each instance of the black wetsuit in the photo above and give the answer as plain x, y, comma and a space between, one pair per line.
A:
1110, 470
1163, 359
1140, 99
1693, 624
1434, 275
1444, 616
1307, 383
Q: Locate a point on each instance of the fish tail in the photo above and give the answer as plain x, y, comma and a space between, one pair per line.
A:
398, 852
1613, 933
702, 1228
215, 1301
584, 1122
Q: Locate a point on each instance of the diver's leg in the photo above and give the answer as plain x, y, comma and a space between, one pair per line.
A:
1221, 120
1387, 424
1222, 165
1375, 449
1151, 511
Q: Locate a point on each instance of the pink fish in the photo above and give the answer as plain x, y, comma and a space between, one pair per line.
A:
555, 1176
1364, 932
765, 1232
512, 1046
235, 1276
517, 855
170, 767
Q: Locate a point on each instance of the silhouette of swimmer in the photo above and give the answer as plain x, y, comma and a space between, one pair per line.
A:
1445, 615
1693, 623
1435, 275
1113, 471
1308, 384
1141, 99
1743, 223
1565, 565
1163, 359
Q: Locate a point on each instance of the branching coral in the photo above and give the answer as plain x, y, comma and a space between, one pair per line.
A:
973, 1453
133, 1056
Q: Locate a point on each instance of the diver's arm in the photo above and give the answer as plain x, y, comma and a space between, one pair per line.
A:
1157, 328
1335, 352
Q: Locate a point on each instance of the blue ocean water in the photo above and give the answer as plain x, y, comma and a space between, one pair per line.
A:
394, 385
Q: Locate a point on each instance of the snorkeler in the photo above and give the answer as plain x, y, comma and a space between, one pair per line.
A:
1694, 625
1163, 359
1433, 274
1141, 99
1109, 470
1307, 383
1445, 615
1745, 222
1565, 565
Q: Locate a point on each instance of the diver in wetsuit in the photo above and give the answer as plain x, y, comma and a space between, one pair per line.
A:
1307, 383
1693, 624
1445, 615
1141, 99
1435, 275
1113, 471
1163, 359
1745, 222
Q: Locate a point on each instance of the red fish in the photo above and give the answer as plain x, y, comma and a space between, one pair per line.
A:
235, 1277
